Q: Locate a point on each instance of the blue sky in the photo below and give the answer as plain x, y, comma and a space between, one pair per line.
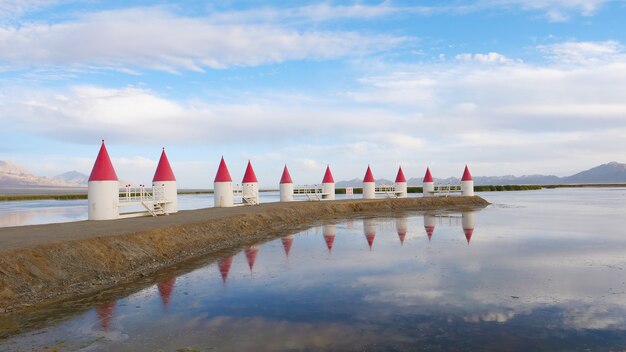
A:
506, 86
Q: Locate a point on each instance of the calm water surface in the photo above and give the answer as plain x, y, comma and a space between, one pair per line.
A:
537, 270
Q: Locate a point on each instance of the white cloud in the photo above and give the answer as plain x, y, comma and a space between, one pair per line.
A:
156, 39
554, 10
589, 53
484, 58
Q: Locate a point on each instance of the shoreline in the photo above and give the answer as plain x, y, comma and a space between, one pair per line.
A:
43, 264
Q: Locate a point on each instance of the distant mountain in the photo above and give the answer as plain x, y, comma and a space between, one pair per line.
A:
15, 175
74, 177
357, 182
612, 172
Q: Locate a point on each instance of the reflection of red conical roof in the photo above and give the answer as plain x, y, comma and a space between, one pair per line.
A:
330, 239
328, 176
251, 253
400, 176
103, 168
163, 170
105, 315
370, 239
429, 231
287, 242
165, 290
468, 234
286, 177
466, 175
222, 173
224, 265
249, 176
368, 175
402, 235
428, 177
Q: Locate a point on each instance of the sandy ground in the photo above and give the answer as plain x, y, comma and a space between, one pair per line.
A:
43, 264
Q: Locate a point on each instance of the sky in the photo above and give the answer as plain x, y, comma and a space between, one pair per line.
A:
506, 86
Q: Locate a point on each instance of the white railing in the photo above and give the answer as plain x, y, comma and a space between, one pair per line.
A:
152, 201
445, 190
312, 192
388, 190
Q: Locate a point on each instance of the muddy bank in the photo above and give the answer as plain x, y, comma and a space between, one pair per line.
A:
44, 263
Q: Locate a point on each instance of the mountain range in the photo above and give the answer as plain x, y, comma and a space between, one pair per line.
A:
13, 175
612, 172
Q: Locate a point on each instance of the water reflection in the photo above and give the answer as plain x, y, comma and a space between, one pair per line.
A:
105, 315
516, 287
369, 230
287, 243
329, 231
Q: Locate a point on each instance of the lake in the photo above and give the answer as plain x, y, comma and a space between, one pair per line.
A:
536, 270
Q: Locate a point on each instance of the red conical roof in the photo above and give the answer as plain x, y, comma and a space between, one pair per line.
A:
402, 235
163, 170
287, 242
368, 175
466, 175
249, 176
224, 266
328, 176
286, 177
165, 290
329, 239
428, 177
400, 176
468, 234
370, 239
222, 173
251, 253
103, 168
429, 231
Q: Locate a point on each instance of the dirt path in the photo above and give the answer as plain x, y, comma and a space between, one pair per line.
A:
43, 263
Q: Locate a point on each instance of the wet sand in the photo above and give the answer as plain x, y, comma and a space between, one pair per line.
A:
43, 264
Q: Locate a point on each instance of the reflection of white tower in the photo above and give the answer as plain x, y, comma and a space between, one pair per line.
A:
369, 185
400, 185
250, 186
164, 177
328, 185
103, 190
369, 230
329, 231
287, 242
429, 224
428, 186
223, 187
467, 220
402, 225
467, 183
286, 186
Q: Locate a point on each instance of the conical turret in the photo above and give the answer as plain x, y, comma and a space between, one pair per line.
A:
250, 186
103, 188
400, 184
428, 186
286, 186
223, 187
164, 177
369, 184
467, 183
328, 185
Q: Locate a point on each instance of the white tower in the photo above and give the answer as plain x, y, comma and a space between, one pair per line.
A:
400, 186
428, 186
103, 190
467, 220
328, 185
164, 177
250, 186
286, 186
467, 183
369, 185
223, 187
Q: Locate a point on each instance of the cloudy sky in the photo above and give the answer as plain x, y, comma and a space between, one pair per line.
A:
506, 86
